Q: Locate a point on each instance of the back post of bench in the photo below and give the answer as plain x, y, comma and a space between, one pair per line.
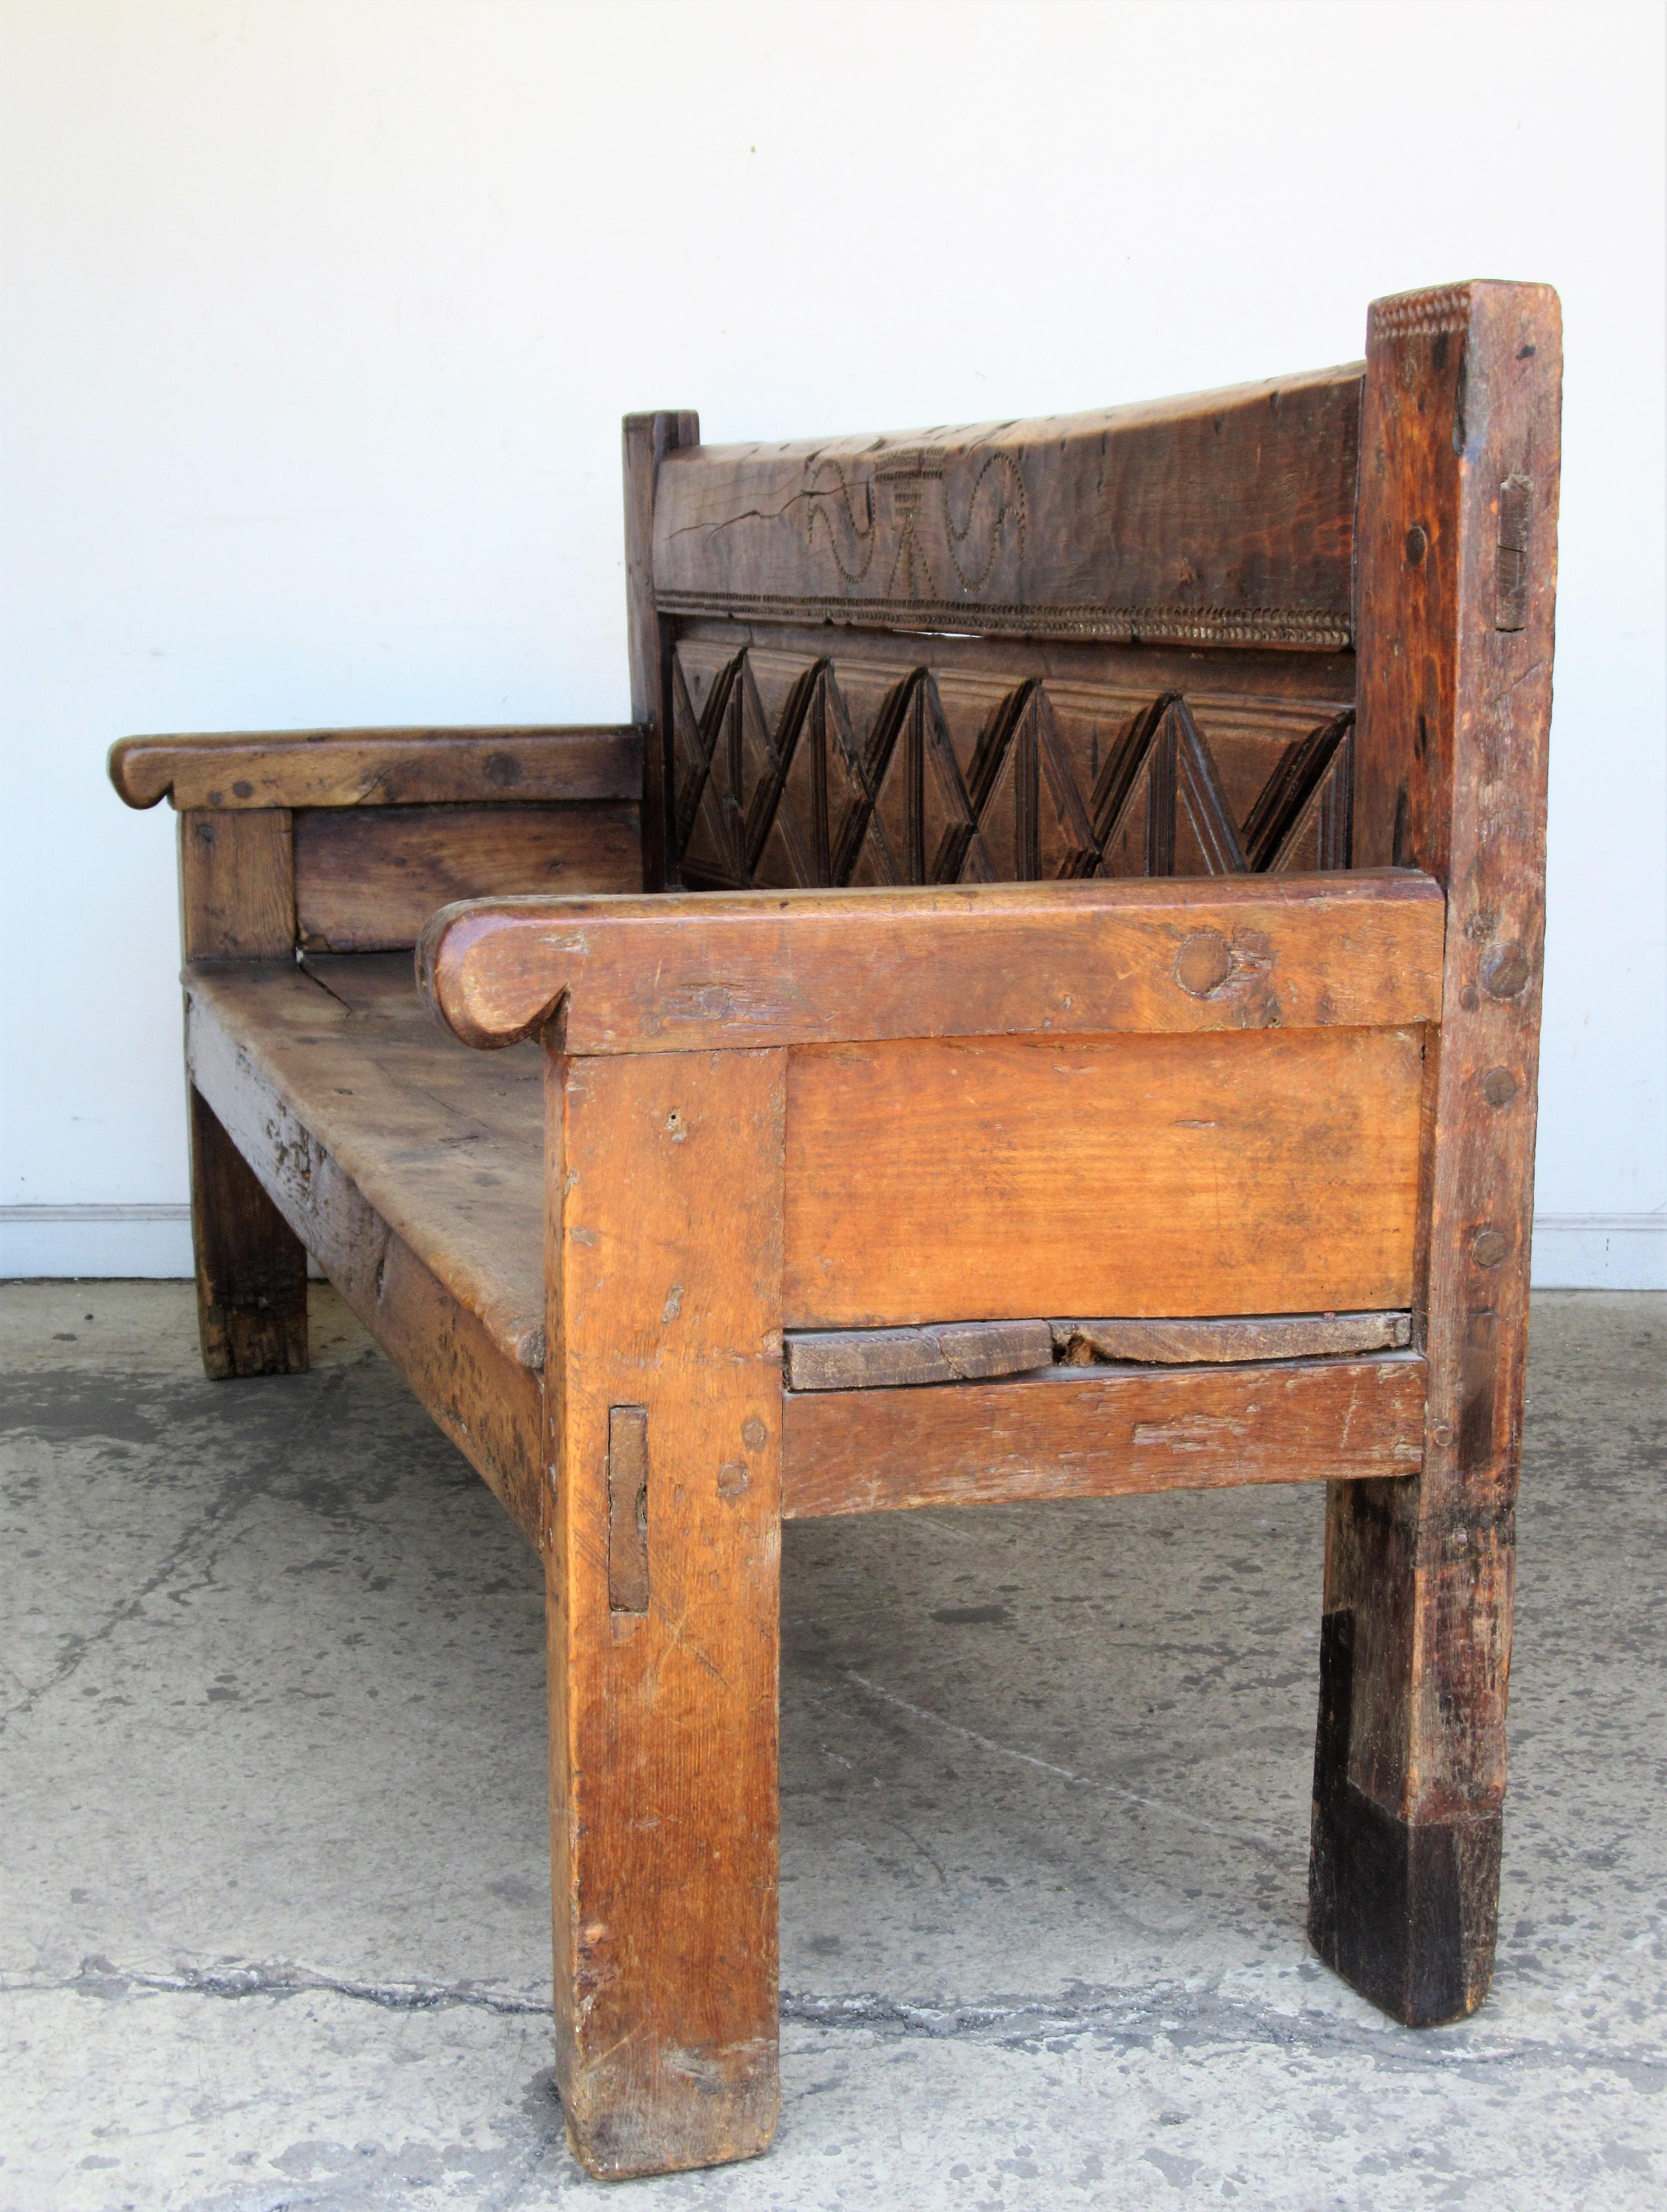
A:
1457, 568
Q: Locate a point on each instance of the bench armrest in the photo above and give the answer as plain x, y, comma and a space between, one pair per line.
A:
380, 768
692, 972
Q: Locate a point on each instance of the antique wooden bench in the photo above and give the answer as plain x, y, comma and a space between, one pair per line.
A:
1042, 1001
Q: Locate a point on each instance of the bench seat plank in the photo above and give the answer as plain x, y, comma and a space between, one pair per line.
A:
417, 1186
445, 1145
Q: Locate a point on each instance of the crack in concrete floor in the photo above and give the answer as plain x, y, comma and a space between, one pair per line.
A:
274, 1669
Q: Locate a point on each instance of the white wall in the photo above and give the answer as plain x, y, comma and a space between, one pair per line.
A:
319, 319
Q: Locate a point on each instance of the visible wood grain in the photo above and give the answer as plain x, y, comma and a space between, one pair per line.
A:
1171, 1342
1136, 1175
749, 968
250, 1266
1463, 397
647, 439
1101, 1432
367, 879
1224, 517
887, 1358
378, 767
486, 1400
445, 1146
237, 886
665, 1285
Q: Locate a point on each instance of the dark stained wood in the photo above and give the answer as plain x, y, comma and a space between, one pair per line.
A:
237, 886
685, 974
888, 1358
1137, 1175
1463, 396
367, 879
486, 1399
1171, 1342
1224, 517
647, 440
378, 767
663, 1723
796, 770
250, 1266
1101, 1432
444, 1146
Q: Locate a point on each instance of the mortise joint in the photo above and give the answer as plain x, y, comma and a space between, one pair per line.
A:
628, 1508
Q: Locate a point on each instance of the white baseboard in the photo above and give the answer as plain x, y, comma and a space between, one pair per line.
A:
1571, 1251
58, 1241
1600, 1252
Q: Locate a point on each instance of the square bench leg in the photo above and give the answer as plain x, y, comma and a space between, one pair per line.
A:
664, 1422
250, 1265
1410, 1757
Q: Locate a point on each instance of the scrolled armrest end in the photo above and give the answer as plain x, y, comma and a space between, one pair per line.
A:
472, 989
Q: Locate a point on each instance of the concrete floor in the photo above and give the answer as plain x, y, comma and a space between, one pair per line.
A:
274, 1890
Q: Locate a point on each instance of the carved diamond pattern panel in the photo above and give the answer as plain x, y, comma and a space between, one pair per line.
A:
793, 774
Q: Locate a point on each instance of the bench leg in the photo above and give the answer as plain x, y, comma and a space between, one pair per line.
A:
250, 1266
664, 1412
1410, 1760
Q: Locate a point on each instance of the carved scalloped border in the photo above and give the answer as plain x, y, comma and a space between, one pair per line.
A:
1316, 629
1422, 314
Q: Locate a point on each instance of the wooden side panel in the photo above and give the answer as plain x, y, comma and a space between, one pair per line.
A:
250, 1266
367, 879
1223, 517
486, 1402
237, 885
1101, 1432
1252, 1172
1457, 579
665, 1276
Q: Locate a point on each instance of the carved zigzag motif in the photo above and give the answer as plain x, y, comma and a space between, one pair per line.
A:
807, 804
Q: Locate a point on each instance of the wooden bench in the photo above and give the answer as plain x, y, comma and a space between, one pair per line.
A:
1042, 1001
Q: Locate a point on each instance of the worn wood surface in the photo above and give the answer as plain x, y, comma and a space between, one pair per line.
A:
665, 1274
367, 879
1457, 580
887, 1358
378, 767
647, 439
1137, 1175
1174, 1342
250, 1266
1101, 1431
1221, 517
237, 886
444, 1145
686, 973
486, 1399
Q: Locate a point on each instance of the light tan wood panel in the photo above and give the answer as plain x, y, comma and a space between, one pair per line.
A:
367, 879
1102, 1432
1252, 1172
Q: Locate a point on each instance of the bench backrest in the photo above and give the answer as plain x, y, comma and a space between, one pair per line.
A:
1117, 643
